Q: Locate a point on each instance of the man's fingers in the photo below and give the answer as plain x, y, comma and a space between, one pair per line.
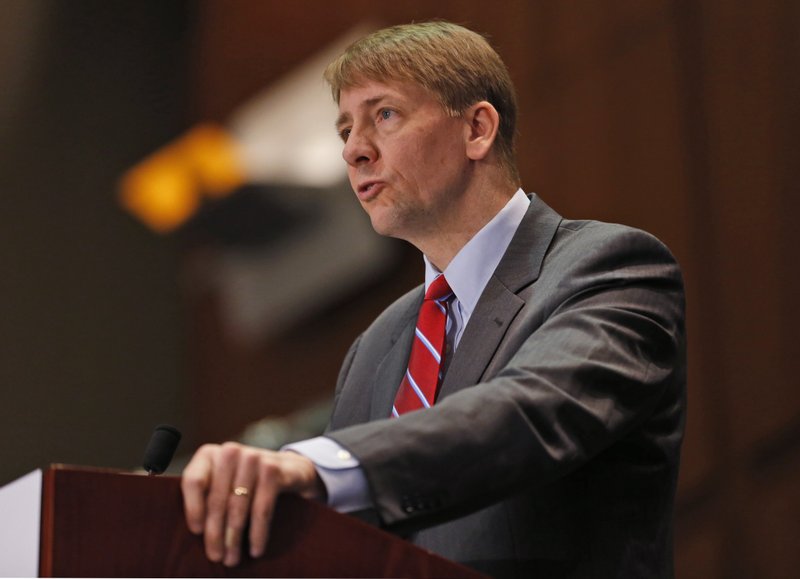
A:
239, 499
225, 462
284, 471
194, 485
263, 507
225, 486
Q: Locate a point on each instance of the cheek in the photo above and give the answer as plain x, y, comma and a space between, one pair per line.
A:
351, 176
443, 158
426, 157
430, 152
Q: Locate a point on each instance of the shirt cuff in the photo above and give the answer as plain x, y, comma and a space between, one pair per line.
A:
339, 470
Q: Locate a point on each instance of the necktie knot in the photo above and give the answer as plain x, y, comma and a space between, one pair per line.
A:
438, 290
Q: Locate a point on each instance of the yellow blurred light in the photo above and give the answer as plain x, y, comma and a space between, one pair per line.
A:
161, 192
211, 152
165, 189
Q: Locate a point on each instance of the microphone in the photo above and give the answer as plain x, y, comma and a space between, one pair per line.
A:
161, 448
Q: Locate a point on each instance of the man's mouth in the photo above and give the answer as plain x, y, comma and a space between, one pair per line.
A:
368, 189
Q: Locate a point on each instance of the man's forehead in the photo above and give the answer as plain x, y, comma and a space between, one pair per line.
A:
372, 90
368, 93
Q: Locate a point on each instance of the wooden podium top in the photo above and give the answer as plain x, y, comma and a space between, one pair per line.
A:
106, 523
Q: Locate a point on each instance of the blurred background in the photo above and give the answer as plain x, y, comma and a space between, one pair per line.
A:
681, 118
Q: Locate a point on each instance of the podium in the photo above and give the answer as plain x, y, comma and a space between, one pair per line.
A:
106, 523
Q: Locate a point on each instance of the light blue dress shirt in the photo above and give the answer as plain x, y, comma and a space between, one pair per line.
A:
468, 273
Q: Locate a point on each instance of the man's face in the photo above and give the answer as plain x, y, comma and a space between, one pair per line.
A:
406, 157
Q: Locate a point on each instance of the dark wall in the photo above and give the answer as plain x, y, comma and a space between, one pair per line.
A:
91, 354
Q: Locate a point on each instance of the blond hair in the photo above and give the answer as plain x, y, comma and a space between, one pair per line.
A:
457, 65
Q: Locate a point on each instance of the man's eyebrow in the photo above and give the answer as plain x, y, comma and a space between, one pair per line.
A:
343, 118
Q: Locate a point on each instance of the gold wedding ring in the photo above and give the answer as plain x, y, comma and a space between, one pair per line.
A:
241, 491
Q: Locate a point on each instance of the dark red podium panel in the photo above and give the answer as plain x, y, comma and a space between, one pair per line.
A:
106, 523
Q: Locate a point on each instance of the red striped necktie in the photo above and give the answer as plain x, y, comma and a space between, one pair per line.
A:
420, 383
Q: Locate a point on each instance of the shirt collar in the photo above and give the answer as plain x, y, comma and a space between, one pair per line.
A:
469, 271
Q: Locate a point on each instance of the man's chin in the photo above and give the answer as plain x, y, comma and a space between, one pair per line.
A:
389, 222
382, 223
382, 228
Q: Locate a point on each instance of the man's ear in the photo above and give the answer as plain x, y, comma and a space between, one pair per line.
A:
483, 123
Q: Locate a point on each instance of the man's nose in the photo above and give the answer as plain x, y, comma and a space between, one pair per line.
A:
358, 149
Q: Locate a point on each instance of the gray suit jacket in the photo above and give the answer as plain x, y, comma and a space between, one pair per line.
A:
553, 448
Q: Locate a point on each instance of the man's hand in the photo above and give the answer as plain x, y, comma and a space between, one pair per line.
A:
225, 485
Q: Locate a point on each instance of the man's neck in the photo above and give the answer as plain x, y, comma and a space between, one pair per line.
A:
468, 217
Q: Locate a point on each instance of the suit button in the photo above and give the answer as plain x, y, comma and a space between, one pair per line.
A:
416, 502
410, 503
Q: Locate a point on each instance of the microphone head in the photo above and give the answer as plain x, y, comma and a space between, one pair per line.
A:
161, 448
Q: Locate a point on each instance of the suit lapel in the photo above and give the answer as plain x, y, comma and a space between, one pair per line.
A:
487, 326
499, 303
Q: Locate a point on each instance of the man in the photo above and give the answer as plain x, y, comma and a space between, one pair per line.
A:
553, 445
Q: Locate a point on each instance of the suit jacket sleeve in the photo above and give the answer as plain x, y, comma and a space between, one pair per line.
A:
575, 350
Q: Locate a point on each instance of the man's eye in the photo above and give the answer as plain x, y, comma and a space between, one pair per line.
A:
344, 134
386, 113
